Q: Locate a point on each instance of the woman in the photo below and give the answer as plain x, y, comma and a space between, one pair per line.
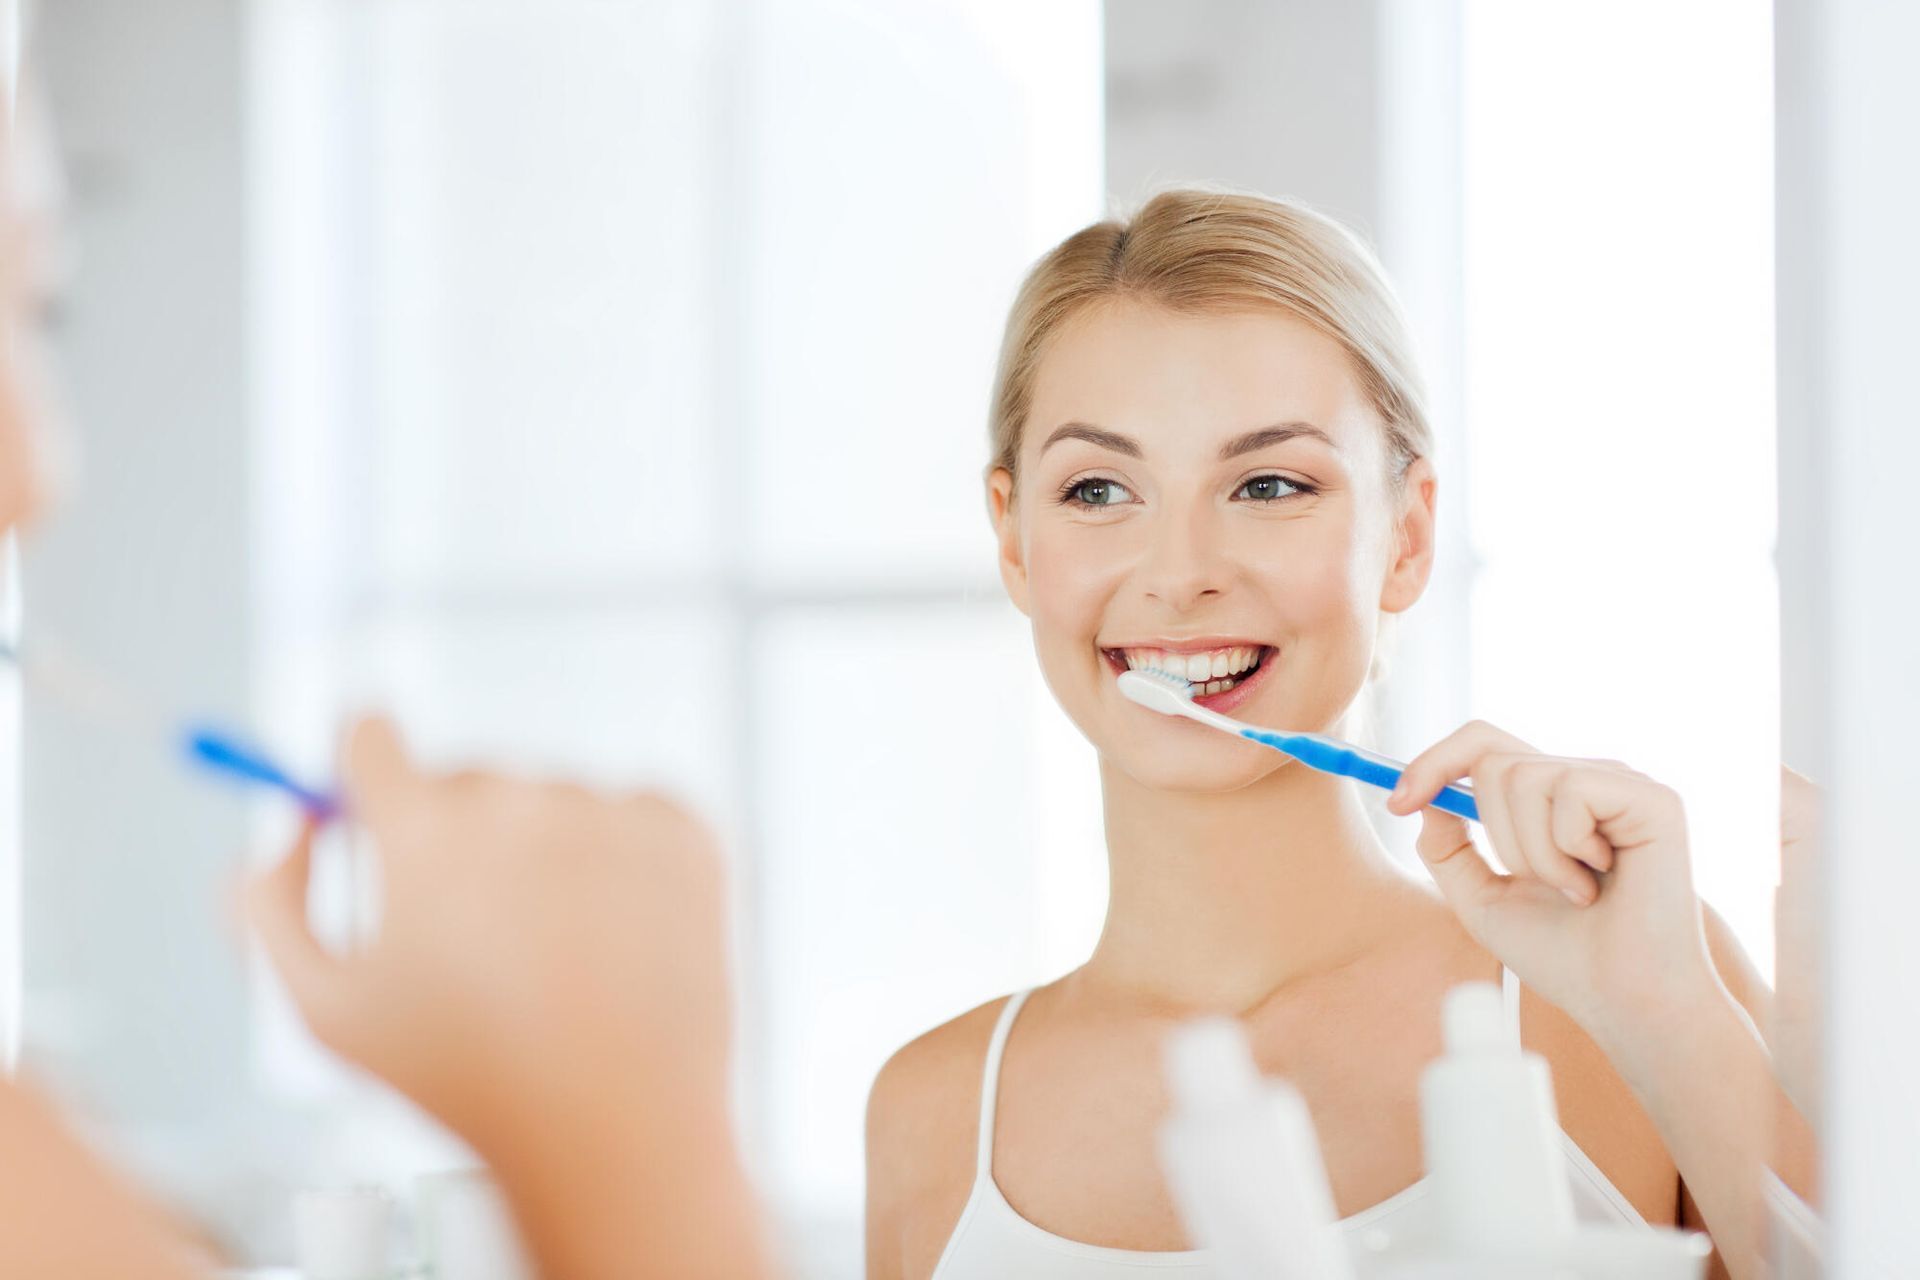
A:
1211, 457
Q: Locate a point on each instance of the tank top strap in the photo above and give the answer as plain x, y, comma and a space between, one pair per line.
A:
1510, 991
990, 1080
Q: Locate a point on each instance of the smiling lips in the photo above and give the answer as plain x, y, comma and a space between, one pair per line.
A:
1210, 671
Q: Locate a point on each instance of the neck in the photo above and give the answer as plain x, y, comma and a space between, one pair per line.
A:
1219, 900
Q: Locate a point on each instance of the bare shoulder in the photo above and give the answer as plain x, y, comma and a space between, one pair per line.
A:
931, 1085
922, 1120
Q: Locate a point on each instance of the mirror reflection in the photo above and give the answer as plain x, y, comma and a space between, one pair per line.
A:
1017, 641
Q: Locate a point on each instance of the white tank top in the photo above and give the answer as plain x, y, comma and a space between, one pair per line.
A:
992, 1241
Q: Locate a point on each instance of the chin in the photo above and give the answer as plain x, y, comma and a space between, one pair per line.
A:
1201, 771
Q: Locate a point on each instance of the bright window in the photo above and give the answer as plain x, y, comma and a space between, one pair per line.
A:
633, 426
1620, 415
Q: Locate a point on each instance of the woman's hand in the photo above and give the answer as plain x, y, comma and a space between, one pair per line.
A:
549, 978
523, 924
1597, 912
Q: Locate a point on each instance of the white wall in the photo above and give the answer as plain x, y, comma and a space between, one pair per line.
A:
1280, 98
679, 364
1849, 452
133, 987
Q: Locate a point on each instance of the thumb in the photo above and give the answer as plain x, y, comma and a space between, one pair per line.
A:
275, 904
379, 773
1465, 880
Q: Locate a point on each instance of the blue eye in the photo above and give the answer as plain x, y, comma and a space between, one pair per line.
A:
1095, 492
1271, 488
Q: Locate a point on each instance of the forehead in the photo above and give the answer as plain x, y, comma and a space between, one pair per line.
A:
1153, 373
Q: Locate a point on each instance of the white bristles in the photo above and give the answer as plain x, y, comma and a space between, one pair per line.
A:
1171, 696
1157, 689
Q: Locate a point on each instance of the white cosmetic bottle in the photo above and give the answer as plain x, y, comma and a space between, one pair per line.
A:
1503, 1208
1242, 1162
1491, 1133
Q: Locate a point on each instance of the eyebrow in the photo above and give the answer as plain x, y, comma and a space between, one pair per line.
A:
1259, 438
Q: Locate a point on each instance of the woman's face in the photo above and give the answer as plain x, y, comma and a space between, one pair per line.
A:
1207, 493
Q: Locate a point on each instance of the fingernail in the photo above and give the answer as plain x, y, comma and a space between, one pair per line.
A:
1578, 897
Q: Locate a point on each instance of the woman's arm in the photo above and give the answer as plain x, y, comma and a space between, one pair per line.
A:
1750, 1099
1793, 1155
1698, 1066
64, 1213
1786, 1144
650, 1187
885, 1140
1598, 914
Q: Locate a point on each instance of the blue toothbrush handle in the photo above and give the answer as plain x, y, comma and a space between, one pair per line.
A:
1332, 756
1457, 801
1385, 774
224, 754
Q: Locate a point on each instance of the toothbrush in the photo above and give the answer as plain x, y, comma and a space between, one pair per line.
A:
202, 745
1172, 696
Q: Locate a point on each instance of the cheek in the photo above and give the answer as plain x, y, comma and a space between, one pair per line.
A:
1070, 582
1320, 579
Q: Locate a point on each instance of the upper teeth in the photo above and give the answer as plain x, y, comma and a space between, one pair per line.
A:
1194, 667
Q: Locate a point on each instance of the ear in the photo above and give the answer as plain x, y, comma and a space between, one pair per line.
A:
1413, 530
1006, 531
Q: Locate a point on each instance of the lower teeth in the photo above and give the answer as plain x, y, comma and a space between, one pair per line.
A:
1212, 687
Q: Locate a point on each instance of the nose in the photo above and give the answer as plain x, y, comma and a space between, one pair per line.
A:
1184, 562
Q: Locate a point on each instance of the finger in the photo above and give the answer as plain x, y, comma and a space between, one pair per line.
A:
1469, 885
1801, 804
379, 774
1628, 809
1494, 795
1530, 803
1447, 760
1575, 828
275, 902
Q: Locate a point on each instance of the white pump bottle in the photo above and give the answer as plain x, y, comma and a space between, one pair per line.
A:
1491, 1133
1242, 1162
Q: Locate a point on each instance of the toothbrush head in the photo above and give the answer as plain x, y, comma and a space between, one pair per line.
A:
1158, 691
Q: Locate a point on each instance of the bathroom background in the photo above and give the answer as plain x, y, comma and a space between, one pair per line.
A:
602, 387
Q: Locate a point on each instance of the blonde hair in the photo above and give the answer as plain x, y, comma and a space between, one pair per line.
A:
1213, 250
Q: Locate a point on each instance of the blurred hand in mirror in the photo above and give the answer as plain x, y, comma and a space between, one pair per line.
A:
549, 978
